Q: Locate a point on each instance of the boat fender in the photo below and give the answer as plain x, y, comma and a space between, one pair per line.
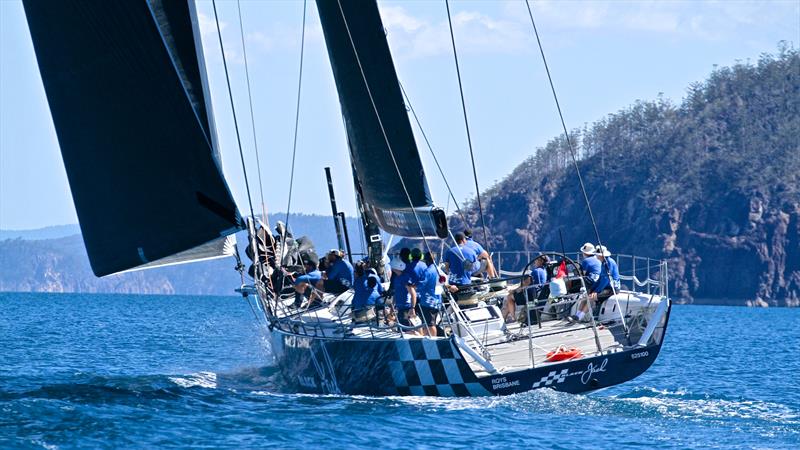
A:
563, 354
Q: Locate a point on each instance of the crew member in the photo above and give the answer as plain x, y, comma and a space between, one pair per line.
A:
416, 266
404, 302
367, 289
590, 265
339, 274
429, 301
530, 284
605, 287
459, 262
485, 260
303, 284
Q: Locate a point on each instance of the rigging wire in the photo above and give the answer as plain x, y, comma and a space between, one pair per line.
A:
383, 130
296, 127
564, 125
466, 125
252, 117
435, 159
233, 109
572, 154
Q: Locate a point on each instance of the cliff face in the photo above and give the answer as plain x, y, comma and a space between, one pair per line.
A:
712, 185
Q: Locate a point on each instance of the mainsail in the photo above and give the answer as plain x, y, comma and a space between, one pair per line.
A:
386, 163
126, 87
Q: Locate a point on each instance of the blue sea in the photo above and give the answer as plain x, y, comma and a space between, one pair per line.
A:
129, 371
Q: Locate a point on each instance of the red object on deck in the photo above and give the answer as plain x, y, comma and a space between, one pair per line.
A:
563, 354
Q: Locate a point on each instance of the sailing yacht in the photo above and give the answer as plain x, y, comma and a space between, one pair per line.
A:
128, 93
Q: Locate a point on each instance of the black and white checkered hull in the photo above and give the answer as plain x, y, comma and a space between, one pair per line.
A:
435, 367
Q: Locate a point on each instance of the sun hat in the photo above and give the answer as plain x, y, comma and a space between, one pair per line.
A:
602, 250
588, 249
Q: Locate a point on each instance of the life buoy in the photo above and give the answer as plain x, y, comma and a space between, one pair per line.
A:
563, 354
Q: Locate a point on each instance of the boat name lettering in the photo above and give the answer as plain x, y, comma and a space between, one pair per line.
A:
297, 342
640, 354
502, 383
591, 370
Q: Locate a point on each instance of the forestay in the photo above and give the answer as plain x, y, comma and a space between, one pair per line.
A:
386, 163
126, 87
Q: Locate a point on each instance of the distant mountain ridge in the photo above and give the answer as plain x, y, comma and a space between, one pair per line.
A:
51, 232
33, 262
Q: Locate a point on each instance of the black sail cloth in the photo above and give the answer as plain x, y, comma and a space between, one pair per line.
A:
400, 206
127, 101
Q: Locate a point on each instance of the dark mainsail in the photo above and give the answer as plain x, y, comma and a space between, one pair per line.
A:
126, 89
356, 40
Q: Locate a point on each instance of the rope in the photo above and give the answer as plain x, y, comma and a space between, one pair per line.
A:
383, 130
296, 127
233, 109
571, 149
435, 159
252, 118
466, 125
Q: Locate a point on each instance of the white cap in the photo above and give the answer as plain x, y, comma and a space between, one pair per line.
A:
588, 249
602, 250
397, 264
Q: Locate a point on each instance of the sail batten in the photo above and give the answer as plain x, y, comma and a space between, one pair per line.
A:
127, 96
386, 162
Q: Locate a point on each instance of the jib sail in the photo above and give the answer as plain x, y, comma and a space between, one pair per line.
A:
126, 87
386, 162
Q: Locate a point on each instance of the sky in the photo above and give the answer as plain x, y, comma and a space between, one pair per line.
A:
603, 56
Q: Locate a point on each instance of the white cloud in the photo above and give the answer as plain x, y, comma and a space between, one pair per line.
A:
413, 37
705, 20
208, 26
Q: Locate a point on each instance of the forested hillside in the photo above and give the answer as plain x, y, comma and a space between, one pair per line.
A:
712, 184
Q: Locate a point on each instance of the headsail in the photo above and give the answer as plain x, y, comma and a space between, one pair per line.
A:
374, 113
126, 89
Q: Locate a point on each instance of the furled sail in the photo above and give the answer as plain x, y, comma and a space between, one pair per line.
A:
126, 87
390, 176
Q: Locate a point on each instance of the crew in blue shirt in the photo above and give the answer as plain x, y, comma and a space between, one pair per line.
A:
531, 284
484, 259
339, 276
590, 265
367, 287
403, 300
429, 300
303, 284
603, 287
460, 261
416, 266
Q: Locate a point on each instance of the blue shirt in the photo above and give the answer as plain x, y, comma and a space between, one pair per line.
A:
603, 281
426, 291
341, 271
402, 298
311, 278
591, 268
455, 258
363, 295
416, 272
538, 276
477, 248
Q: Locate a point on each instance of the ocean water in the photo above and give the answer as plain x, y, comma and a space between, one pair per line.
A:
124, 371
